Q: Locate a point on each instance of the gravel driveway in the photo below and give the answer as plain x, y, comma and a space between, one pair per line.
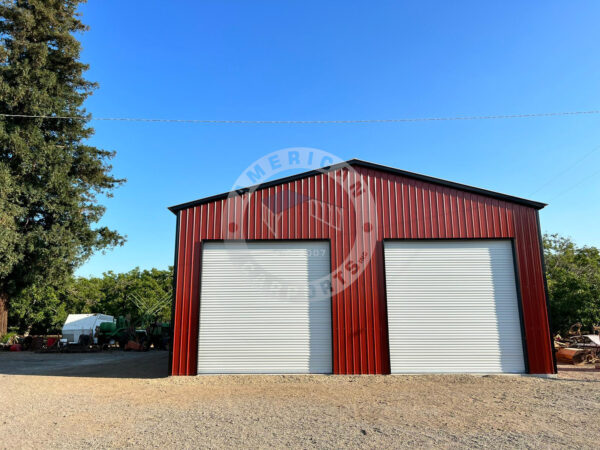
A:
301, 411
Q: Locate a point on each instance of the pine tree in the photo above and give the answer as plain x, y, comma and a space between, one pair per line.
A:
50, 179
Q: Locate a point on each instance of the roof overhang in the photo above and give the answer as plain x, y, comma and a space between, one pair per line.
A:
369, 165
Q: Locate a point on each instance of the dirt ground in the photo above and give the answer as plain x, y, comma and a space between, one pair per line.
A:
43, 411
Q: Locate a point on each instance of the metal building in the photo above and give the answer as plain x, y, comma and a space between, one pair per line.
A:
359, 268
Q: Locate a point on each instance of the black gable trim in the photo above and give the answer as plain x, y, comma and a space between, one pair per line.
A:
368, 165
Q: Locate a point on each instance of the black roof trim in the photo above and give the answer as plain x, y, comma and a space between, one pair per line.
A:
368, 165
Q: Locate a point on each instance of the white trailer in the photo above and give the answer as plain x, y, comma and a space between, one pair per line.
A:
82, 324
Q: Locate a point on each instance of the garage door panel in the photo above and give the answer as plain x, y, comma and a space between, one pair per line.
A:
258, 312
452, 307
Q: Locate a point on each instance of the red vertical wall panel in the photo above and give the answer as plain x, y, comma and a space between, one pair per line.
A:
398, 207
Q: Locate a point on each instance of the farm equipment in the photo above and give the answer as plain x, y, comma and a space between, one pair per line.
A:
115, 332
80, 331
95, 332
121, 331
139, 336
578, 348
160, 334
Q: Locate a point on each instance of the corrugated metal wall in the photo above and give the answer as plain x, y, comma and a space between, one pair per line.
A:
399, 207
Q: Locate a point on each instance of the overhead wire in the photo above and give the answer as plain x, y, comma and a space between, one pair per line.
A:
305, 122
580, 182
342, 121
567, 169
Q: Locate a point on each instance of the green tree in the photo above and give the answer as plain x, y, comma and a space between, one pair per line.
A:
38, 310
573, 283
41, 310
49, 177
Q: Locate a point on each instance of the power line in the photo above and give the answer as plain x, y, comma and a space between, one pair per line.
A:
307, 122
562, 172
580, 182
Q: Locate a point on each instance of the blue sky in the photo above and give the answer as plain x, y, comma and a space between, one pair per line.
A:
303, 60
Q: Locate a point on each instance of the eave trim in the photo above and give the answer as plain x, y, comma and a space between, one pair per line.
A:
368, 165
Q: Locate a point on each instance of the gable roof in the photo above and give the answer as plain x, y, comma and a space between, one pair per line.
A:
368, 165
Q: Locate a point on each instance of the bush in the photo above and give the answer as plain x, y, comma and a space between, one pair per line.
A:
7, 337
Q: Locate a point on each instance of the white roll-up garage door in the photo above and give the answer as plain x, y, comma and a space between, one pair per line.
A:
452, 307
265, 307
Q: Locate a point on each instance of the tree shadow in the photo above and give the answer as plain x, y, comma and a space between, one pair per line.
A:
107, 364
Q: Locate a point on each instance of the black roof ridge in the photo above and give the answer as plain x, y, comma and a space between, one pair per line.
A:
369, 165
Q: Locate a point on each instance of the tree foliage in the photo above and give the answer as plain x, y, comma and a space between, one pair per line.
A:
41, 310
573, 283
50, 177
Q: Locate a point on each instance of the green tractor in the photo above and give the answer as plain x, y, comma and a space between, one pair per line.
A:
159, 334
122, 331
147, 331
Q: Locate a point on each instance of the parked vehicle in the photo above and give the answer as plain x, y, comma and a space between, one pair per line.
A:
82, 329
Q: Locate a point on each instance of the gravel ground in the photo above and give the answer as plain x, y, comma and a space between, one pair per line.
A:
301, 411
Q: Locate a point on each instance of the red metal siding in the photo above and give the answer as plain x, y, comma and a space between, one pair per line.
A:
398, 208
